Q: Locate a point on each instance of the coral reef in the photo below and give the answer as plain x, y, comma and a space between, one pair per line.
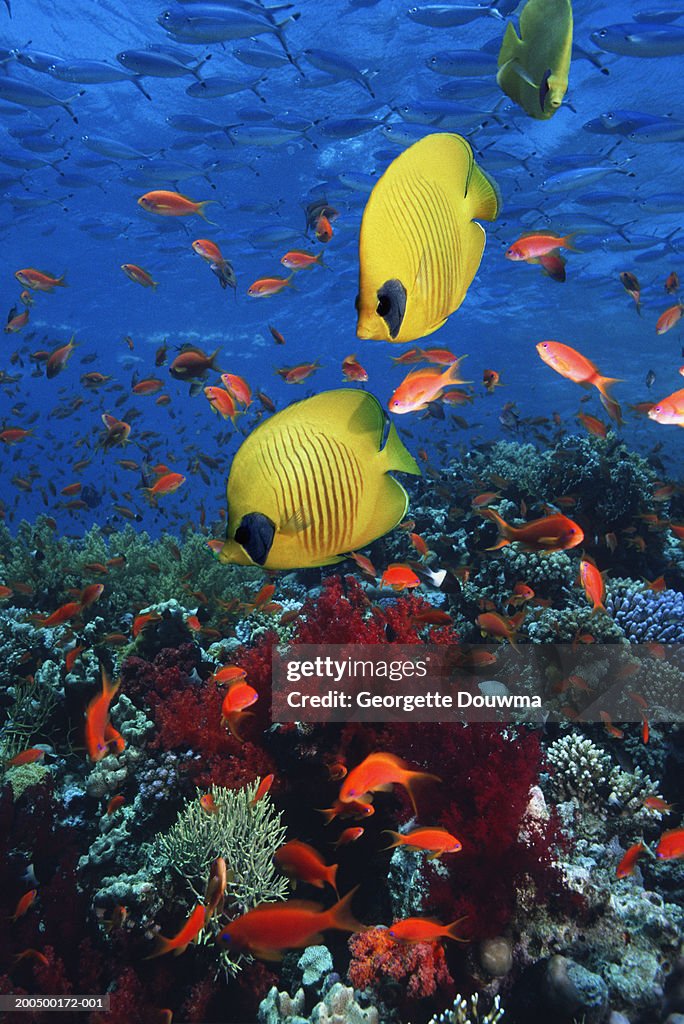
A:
416, 970
337, 1007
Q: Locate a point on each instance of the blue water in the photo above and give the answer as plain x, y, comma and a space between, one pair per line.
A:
90, 225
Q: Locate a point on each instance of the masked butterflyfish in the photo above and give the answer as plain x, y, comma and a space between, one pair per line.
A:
419, 247
312, 482
534, 67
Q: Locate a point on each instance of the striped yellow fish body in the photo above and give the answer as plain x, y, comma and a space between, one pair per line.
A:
419, 247
534, 67
312, 483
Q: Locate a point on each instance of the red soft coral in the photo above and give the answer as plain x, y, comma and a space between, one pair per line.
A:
378, 961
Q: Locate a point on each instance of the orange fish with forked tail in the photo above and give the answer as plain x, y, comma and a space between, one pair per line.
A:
180, 942
552, 533
423, 929
173, 204
572, 365
39, 281
100, 735
379, 771
270, 928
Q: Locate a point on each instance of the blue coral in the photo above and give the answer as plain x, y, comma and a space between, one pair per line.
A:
644, 615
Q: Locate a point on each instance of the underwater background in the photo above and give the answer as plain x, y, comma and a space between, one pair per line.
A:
567, 883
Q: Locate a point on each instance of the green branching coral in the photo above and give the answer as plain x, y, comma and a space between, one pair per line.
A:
32, 707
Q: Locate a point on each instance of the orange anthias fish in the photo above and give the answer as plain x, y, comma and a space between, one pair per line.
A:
536, 244
379, 770
62, 614
552, 533
628, 863
38, 281
670, 410
30, 756
139, 276
266, 286
323, 229
263, 788
437, 840
238, 388
16, 322
209, 251
147, 386
592, 584
572, 365
352, 370
141, 621
166, 484
364, 564
12, 435
425, 385
239, 696
491, 379
116, 431
298, 374
90, 594
298, 259
672, 283
99, 733
422, 929
347, 809
25, 902
222, 403
228, 674
173, 204
592, 425
180, 942
300, 861
493, 624
208, 804
58, 358
349, 835
399, 577
270, 928
671, 844
669, 318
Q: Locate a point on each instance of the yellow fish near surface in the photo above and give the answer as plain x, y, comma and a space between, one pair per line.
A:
419, 247
534, 67
313, 482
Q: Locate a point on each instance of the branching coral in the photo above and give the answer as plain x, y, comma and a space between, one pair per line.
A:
645, 616
244, 833
467, 1011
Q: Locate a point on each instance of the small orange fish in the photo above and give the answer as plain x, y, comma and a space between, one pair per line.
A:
419, 544
38, 281
140, 622
298, 374
90, 594
536, 244
437, 840
493, 624
238, 387
364, 564
399, 577
208, 804
62, 614
611, 729
592, 425
222, 403
193, 363
116, 431
209, 251
422, 929
667, 320
115, 803
521, 594
228, 673
214, 897
99, 733
239, 696
34, 954
148, 386
13, 435
353, 371
25, 902
379, 770
592, 584
672, 283
139, 276
298, 259
271, 928
349, 835
323, 229
656, 803
265, 286
491, 379
671, 844
16, 322
300, 861
440, 356
30, 756
628, 862
572, 365
347, 809
425, 385
180, 942
262, 789
670, 410
58, 358
173, 204
552, 533
166, 484
431, 617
